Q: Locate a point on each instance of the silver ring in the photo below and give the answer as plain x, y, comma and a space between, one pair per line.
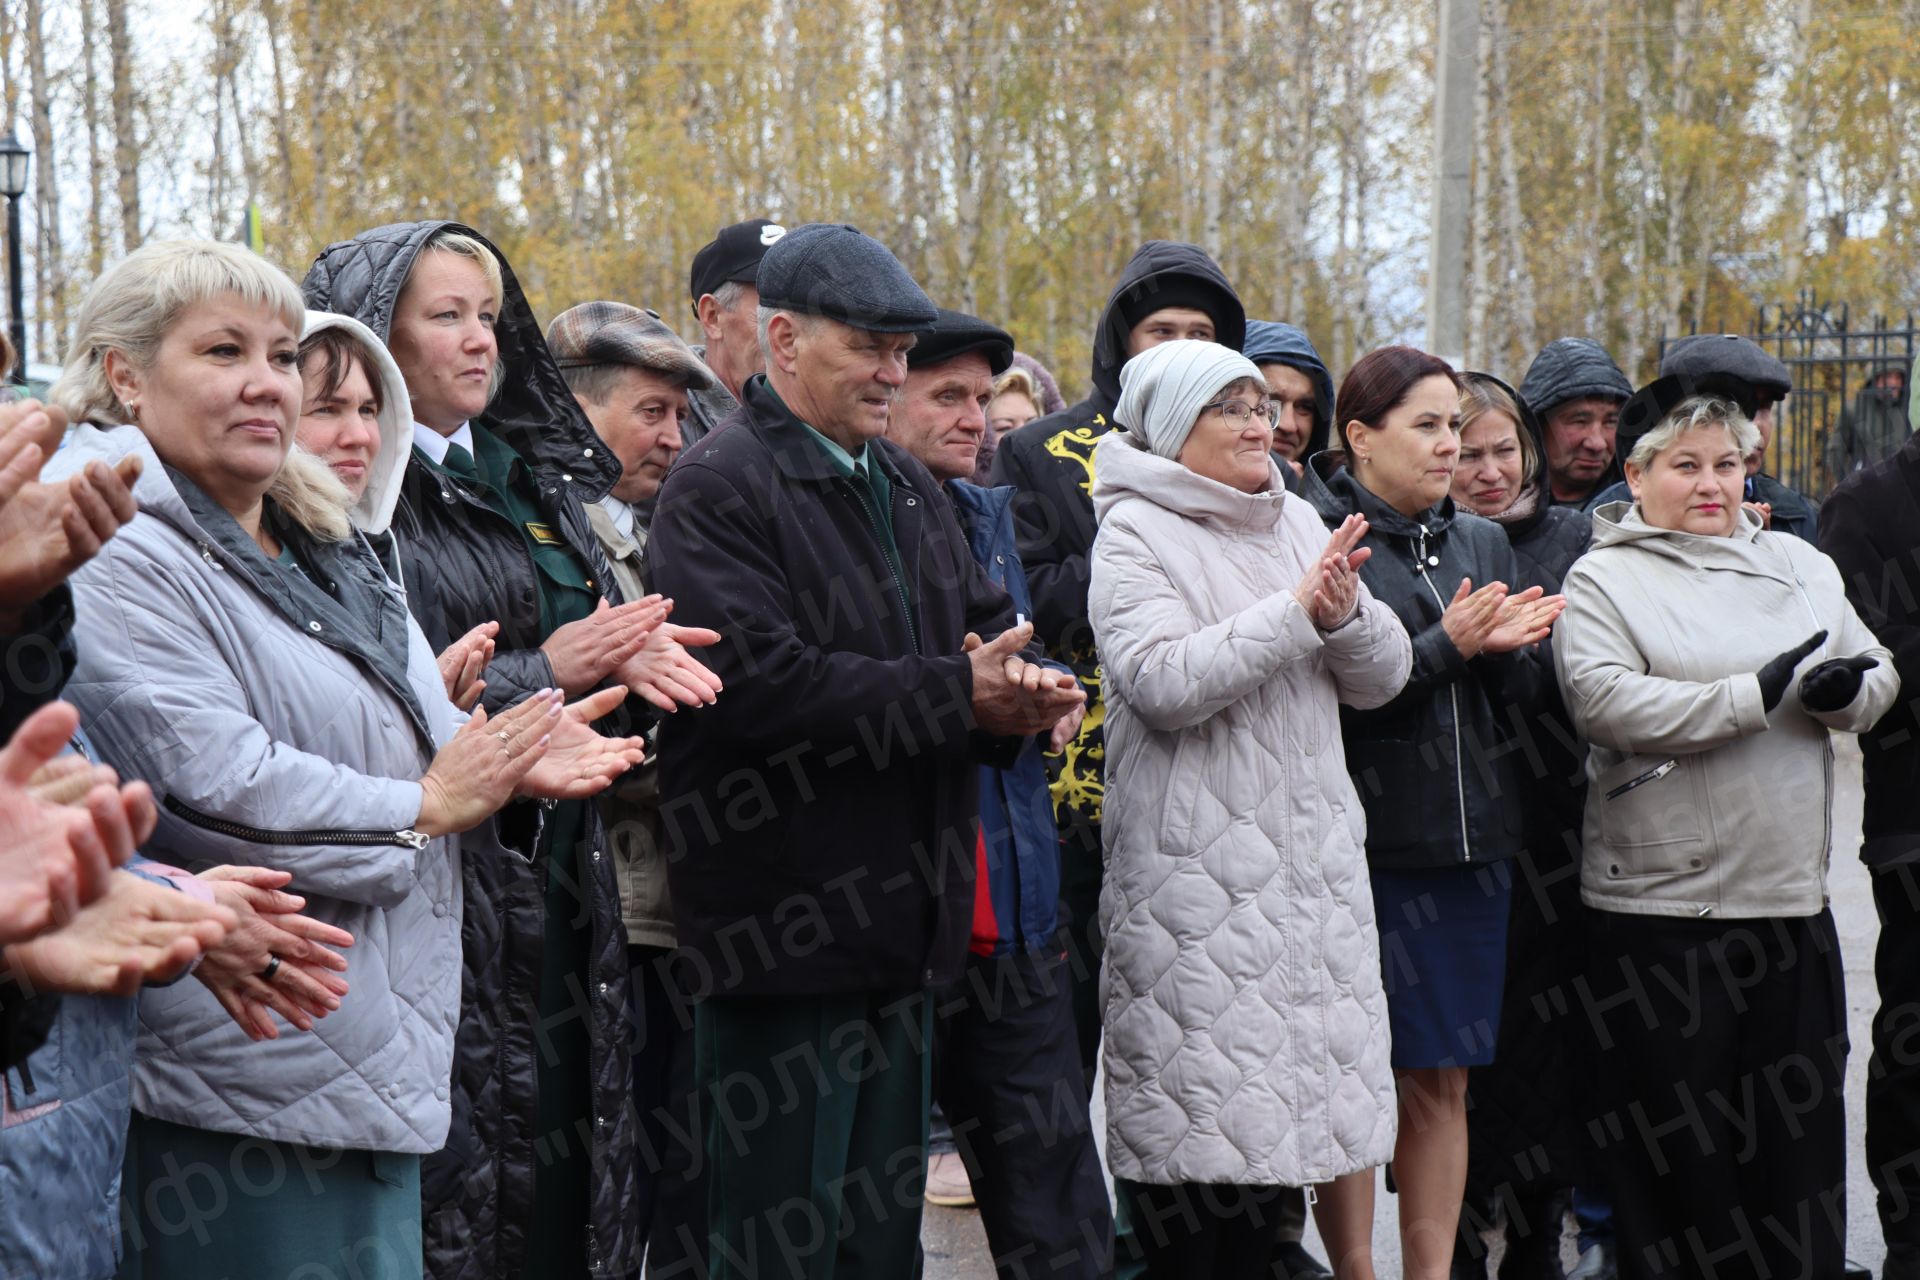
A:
504, 737
273, 967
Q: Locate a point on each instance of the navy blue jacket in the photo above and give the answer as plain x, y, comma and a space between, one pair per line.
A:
1017, 898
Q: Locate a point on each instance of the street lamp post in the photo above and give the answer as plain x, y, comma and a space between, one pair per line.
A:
14, 159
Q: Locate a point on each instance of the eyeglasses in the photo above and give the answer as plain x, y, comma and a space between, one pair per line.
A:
1240, 410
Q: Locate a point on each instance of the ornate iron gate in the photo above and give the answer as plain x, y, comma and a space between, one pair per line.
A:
1831, 361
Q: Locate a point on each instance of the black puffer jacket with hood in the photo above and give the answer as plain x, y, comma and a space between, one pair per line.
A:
1436, 769
463, 565
1050, 462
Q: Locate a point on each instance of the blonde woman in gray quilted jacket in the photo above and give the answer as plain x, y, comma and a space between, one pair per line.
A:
1246, 1040
241, 653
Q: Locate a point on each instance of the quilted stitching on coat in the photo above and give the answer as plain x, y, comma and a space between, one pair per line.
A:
1246, 1025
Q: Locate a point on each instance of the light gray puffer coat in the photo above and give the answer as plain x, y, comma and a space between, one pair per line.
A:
1246, 1027
1701, 802
190, 679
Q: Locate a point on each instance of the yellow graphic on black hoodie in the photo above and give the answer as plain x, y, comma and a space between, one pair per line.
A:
1075, 774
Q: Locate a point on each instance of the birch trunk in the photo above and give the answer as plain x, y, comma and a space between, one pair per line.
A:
126, 146
50, 263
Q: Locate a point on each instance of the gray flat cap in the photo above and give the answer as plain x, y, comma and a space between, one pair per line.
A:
832, 270
1728, 364
602, 333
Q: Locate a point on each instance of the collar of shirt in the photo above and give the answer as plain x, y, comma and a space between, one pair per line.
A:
845, 463
434, 445
622, 513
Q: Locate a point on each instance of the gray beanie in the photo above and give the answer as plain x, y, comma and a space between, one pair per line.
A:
1163, 389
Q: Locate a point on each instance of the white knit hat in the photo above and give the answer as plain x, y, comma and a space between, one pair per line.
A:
1164, 388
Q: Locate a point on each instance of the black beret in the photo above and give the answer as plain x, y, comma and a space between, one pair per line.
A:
954, 334
733, 255
1726, 364
1648, 407
832, 270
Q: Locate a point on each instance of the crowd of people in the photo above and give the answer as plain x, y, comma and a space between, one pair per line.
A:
486, 801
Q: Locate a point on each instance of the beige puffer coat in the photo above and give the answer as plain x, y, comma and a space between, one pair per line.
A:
1246, 1027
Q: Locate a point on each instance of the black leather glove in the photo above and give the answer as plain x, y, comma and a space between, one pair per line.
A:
1777, 674
1834, 683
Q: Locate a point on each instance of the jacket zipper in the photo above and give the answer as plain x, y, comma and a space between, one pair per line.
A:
1652, 775
1453, 700
406, 839
893, 562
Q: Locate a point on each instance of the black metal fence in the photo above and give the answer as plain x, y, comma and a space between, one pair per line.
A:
1832, 361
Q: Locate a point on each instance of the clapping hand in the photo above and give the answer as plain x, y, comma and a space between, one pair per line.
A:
665, 672
584, 653
1523, 620
1011, 696
135, 932
271, 937
56, 858
1330, 589
49, 530
579, 762
1472, 615
463, 661
482, 765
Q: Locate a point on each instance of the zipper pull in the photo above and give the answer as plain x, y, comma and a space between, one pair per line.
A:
206, 553
411, 839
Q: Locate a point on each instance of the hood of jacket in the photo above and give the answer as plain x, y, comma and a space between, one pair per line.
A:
1619, 523
1125, 468
1153, 263
534, 410
1572, 369
374, 512
1276, 342
1575, 369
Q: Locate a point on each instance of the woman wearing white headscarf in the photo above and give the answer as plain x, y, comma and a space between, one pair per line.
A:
1246, 1030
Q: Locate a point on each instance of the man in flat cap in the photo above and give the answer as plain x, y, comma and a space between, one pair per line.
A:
820, 817
726, 300
633, 376
1004, 1046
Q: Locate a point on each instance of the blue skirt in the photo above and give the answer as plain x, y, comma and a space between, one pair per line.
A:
1443, 955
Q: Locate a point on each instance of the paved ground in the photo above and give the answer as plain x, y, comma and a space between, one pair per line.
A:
956, 1249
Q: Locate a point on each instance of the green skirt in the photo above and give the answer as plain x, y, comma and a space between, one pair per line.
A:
200, 1205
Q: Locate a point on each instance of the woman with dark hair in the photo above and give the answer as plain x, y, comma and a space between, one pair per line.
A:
1438, 789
